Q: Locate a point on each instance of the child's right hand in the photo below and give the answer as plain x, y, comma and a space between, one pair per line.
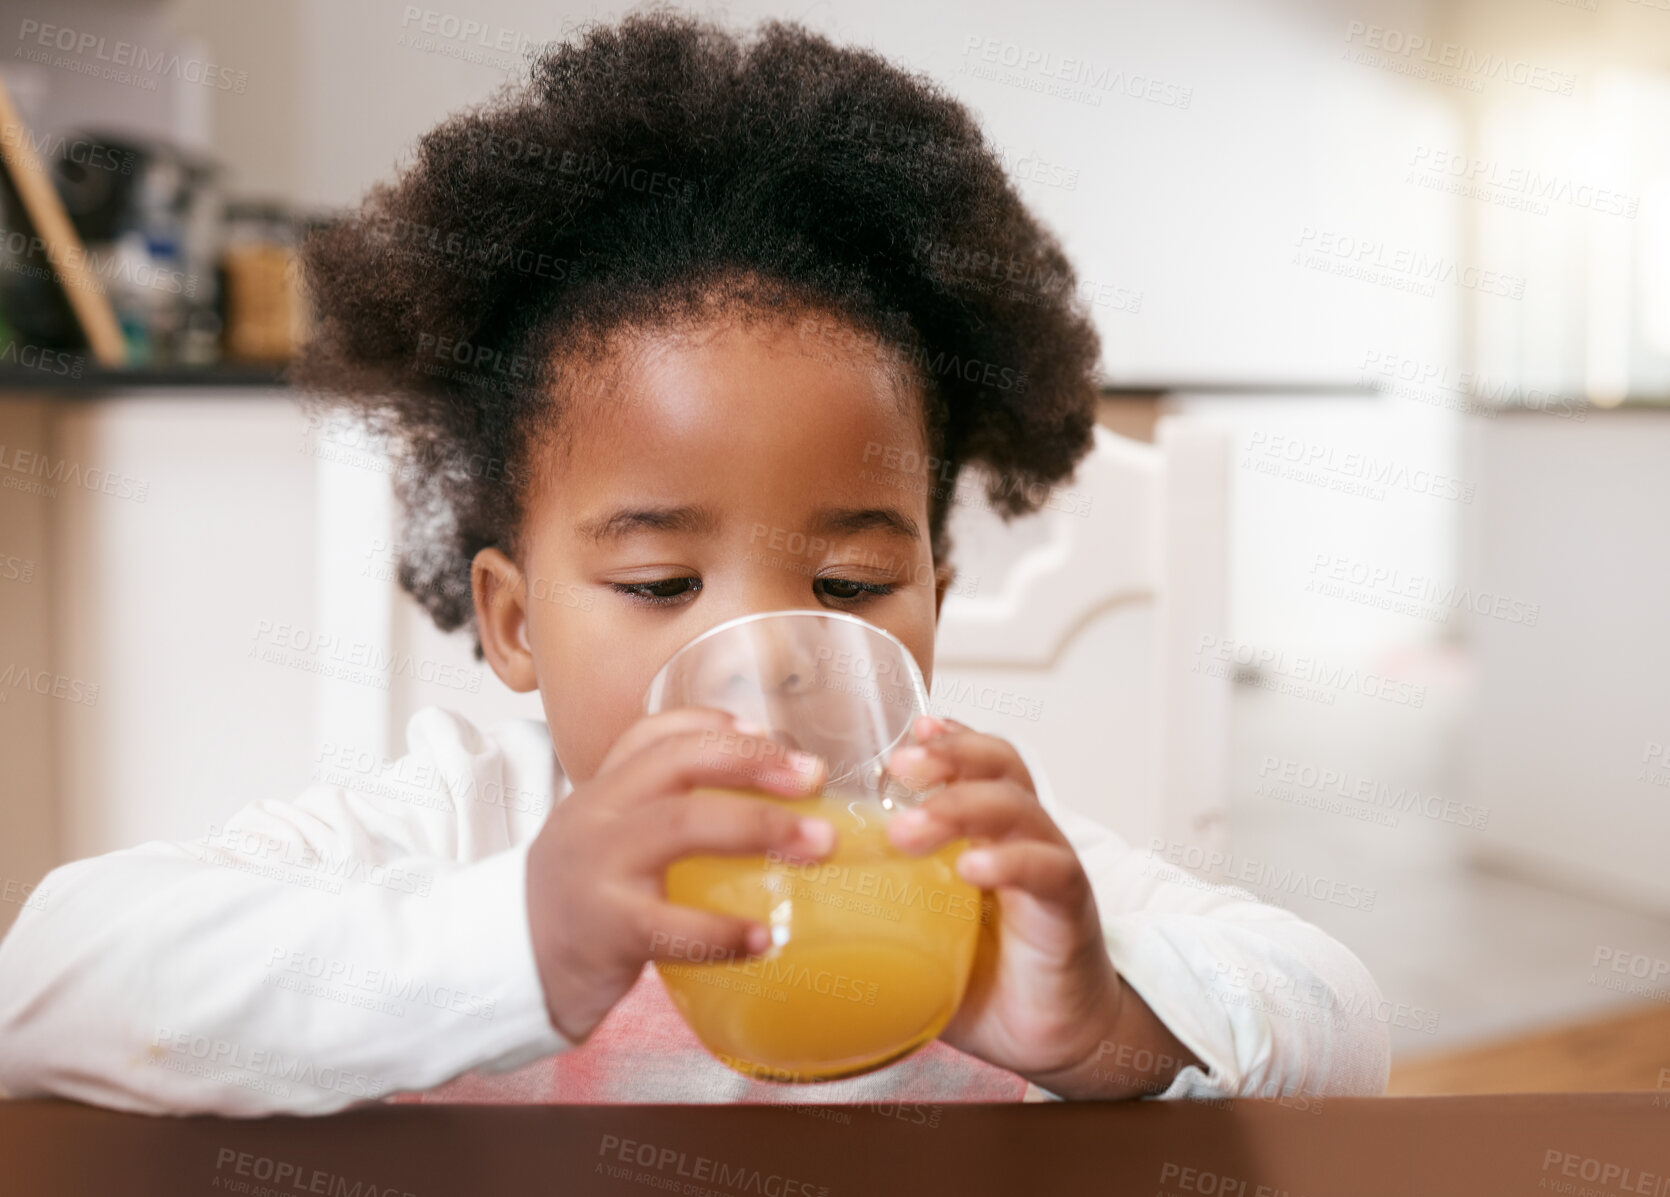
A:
597, 907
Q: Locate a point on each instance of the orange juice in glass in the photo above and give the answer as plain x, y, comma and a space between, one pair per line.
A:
871, 949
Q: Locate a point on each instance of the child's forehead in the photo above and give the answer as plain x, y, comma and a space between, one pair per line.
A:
741, 428
759, 388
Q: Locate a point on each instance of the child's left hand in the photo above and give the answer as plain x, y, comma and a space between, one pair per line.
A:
1044, 999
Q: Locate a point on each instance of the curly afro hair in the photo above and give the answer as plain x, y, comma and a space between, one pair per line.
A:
640, 171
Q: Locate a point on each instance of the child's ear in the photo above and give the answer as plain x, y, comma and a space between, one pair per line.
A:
501, 617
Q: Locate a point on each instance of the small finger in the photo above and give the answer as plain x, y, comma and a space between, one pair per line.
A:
725, 825
684, 935
958, 752
720, 758
926, 727
965, 809
653, 728
1049, 872
755, 761
920, 768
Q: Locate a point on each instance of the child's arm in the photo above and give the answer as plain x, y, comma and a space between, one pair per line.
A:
307, 955
1269, 1003
349, 945
1110, 973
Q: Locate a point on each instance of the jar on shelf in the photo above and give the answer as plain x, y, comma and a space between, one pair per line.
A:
265, 311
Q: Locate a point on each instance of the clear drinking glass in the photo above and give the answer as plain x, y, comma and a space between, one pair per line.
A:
871, 949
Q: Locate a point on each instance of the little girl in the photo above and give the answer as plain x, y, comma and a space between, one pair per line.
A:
633, 327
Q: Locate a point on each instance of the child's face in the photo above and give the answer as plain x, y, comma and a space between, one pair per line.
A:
722, 471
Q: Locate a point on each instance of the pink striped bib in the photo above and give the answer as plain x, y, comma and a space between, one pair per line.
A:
644, 1052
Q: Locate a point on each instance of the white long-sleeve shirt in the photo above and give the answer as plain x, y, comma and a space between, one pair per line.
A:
370, 938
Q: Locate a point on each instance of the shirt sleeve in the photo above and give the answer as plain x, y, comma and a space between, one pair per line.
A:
369, 937
1269, 1003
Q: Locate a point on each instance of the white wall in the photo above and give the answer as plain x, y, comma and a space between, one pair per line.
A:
1194, 216
1195, 209
1189, 217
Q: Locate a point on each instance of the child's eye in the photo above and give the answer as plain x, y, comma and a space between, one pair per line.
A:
845, 590
661, 592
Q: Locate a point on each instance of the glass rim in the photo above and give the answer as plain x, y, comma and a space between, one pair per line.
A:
919, 687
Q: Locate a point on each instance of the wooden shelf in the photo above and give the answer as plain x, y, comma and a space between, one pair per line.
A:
95, 381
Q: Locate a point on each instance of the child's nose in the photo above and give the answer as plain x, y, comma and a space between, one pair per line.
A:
783, 661
751, 669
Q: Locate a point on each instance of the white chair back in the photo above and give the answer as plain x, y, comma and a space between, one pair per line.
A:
1077, 631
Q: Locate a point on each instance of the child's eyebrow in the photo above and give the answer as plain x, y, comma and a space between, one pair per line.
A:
891, 520
624, 521
692, 519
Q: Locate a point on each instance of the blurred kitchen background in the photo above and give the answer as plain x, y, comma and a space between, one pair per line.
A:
1415, 257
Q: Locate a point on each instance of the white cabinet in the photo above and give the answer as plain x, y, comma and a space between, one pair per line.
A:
229, 595
1569, 742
